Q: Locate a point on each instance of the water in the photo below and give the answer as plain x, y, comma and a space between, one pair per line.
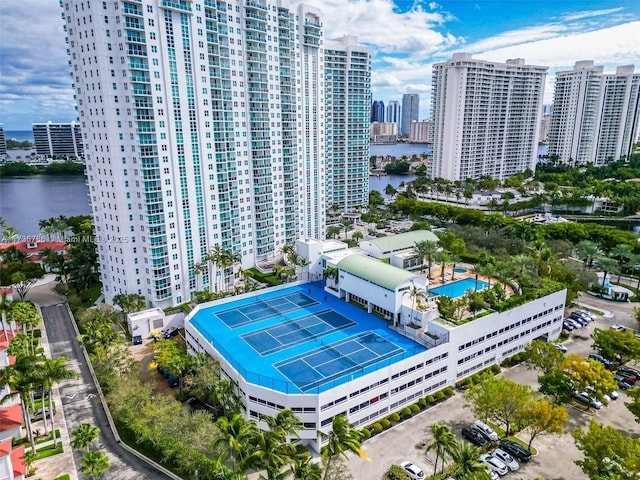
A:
400, 149
25, 201
459, 288
20, 135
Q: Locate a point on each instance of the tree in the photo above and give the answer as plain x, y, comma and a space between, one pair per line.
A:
415, 293
236, 437
347, 224
607, 452
543, 418
586, 372
499, 400
607, 265
13, 254
467, 460
426, 250
94, 464
304, 468
342, 438
444, 442
84, 435
25, 315
542, 356
130, 302
51, 372
333, 231
634, 404
357, 235
22, 284
557, 384
614, 345
587, 251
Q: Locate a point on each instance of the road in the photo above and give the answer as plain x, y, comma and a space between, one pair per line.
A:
79, 397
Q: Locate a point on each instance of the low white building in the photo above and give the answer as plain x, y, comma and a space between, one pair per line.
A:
398, 249
144, 322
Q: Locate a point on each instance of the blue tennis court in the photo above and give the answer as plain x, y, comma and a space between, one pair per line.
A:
324, 364
298, 339
293, 332
261, 309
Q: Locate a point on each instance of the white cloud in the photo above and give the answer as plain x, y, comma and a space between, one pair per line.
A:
590, 13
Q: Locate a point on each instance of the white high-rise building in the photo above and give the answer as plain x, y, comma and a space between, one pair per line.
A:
204, 127
486, 117
393, 112
348, 100
595, 115
62, 140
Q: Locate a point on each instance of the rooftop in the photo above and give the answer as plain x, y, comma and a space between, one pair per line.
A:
10, 416
375, 271
403, 241
297, 339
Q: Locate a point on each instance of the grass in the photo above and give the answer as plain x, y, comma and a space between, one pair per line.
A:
48, 451
502, 434
25, 440
63, 477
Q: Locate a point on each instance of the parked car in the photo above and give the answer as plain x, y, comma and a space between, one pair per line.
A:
488, 432
579, 319
634, 371
173, 380
515, 450
495, 464
413, 471
623, 383
507, 459
601, 359
589, 315
629, 373
474, 436
568, 326
560, 347
40, 394
608, 396
586, 399
40, 413
574, 323
618, 327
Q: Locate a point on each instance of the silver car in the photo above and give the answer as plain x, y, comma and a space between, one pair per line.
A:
507, 459
495, 464
488, 432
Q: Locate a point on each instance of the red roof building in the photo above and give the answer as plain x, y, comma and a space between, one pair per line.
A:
12, 464
34, 247
11, 421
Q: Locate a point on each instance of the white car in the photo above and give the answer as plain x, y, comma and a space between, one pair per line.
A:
560, 347
507, 459
495, 464
617, 327
488, 432
413, 471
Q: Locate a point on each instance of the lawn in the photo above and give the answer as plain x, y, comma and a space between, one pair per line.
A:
48, 451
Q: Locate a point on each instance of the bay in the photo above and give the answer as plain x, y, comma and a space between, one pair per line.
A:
26, 200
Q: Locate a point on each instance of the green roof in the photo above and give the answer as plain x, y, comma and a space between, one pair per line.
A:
375, 271
403, 241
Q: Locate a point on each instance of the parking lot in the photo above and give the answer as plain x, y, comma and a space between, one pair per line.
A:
556, 453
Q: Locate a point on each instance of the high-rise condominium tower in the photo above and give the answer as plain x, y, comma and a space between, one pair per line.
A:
3, 142
377, 111
486, 117
595, 115
348, 97
410, 111
393, 111
58, 139
204, 126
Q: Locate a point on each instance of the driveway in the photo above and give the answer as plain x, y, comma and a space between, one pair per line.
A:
556, 453
79, 397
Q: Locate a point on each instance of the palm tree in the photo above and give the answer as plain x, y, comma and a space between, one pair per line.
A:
5, 314
467, 460
331, 273
414, 293
357, 235
426, 250
94, 464
10, 234
215, 256
455, 259
443, 259
303, 468
199, 269
21, 379
444, 442
342, 438
285, 422
587, 251
272, 453
51, 372
607, 265
524, 269
347, 224
333, 231
623, 254
236, 436
84, 435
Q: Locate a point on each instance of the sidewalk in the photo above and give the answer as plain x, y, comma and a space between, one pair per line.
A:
605, 313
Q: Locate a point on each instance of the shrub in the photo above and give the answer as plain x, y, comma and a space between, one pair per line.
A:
385, 423
422, 403
394, 417
365, 433
438, 395
396, 472
495, 369
377, 428
406, 412
448, 391
414, 408
430, 399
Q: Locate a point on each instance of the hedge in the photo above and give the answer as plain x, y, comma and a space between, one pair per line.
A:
414, 408
396, 472
385, 423
377, 428
430, 399
406, 412
438, 395
394, 417
365, 433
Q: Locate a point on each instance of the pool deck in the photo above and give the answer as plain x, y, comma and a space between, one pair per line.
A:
252, 365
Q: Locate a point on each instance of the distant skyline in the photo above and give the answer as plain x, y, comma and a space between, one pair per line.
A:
405, 37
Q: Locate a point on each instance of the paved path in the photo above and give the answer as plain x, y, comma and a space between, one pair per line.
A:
79, 397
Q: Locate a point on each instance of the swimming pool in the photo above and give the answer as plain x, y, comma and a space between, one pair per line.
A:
458, 289
299, 340
459, 270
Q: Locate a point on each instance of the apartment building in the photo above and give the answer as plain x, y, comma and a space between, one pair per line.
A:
410, 112
58, 140
486, 117
393, 112
204, 124
595, 115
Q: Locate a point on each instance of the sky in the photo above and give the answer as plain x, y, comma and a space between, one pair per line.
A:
405, 39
